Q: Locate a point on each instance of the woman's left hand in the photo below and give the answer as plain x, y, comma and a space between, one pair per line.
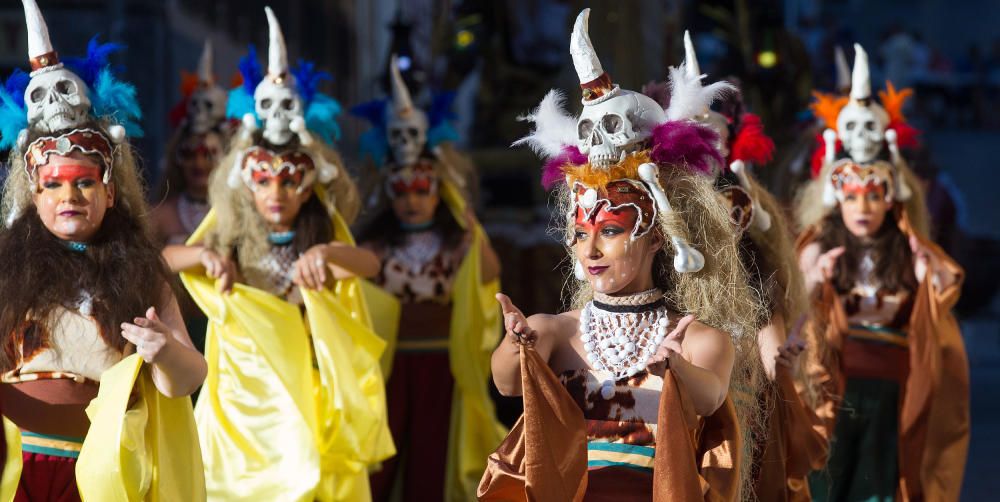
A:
151, 336
670, 348
311, 270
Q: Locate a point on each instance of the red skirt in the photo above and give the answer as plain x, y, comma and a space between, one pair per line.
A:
47, 478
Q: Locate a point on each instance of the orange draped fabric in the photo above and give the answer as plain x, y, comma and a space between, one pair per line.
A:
934, 412
544, 458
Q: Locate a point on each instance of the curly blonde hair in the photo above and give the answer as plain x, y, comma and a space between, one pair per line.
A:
239, 227
719, 295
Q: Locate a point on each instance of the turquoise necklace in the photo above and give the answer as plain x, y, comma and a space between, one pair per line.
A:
281, 238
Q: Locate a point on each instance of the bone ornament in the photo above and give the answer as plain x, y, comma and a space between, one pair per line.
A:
276, 100
206, 107
687, 259
578, 271
761, 218
861, 123
903, 192
406, 125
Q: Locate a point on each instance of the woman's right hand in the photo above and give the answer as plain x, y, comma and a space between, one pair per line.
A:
824, 267
518, 330
219, 267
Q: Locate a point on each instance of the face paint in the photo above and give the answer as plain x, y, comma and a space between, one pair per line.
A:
278, 198
71, 198
863, 208
611, 258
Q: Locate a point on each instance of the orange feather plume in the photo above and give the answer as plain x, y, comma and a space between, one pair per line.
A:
827, 107
893, 101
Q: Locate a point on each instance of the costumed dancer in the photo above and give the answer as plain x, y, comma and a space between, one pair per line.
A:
199, 140
86, 298
626, 396
294, 404
437, 262
785, 446
893, 370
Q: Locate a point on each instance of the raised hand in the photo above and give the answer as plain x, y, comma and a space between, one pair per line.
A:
151, 336
515, 323
669, 347
823, 270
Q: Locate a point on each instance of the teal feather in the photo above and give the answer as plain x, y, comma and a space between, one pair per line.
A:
116, 100
321, 117
240, 103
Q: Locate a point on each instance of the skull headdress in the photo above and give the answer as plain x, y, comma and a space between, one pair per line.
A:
612, 155
203, 108
65, 106
863, 128
282, 112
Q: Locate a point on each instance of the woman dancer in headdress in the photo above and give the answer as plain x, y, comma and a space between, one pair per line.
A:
893, 370
784, 446
437, 261
294, 404
626, 396
199, 140
86, 296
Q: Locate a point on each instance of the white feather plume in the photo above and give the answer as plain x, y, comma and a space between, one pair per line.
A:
689, 98
554, 129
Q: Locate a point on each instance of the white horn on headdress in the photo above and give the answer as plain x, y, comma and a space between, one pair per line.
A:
903, 192
205, 73
760, 217
861, 79
401, 101
687, 259
843, 69
588, 67
690, 58
40, 50
277, 53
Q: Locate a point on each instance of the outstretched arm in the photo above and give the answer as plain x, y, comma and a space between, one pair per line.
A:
335, 260
702, 358
540, 330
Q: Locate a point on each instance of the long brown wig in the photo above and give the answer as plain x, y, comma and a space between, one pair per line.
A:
121, 269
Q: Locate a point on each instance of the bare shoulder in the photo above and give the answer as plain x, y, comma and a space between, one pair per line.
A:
706, 341
563, 325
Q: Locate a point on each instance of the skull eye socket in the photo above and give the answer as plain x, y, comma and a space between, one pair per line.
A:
287, 104
411, 132
870, 125
850, 125
208, 105
265, 103
396, 134
65, 87
611, 123
584, 128
37, 95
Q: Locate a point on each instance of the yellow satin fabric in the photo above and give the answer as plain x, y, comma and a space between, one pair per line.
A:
277, 423
474, 332
146, 451
11, 473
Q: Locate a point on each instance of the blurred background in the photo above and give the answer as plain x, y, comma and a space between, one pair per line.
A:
501, 56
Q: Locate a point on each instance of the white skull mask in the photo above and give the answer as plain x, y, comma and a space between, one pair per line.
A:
56, 100
277, 104
861, 129
407, 136
206, 108
606, 130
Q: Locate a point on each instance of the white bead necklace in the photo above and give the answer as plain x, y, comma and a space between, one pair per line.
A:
621, 338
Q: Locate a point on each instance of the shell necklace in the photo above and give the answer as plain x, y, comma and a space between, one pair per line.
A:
621, 333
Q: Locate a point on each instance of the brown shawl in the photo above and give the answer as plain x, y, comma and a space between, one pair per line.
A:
544, 458
934, 412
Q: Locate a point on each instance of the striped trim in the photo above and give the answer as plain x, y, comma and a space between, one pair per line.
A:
878, 334
422, 345
601, 454
49, 444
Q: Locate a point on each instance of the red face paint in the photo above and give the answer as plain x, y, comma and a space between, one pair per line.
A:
624, 217
67, 173
265, 175
864, 189
421, 185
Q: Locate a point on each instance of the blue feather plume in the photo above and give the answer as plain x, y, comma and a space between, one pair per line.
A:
89, 67
111, 98
308, 79
251, 70
13, 116
240, 103
374, 144
444, 132
440, 110
321, 117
